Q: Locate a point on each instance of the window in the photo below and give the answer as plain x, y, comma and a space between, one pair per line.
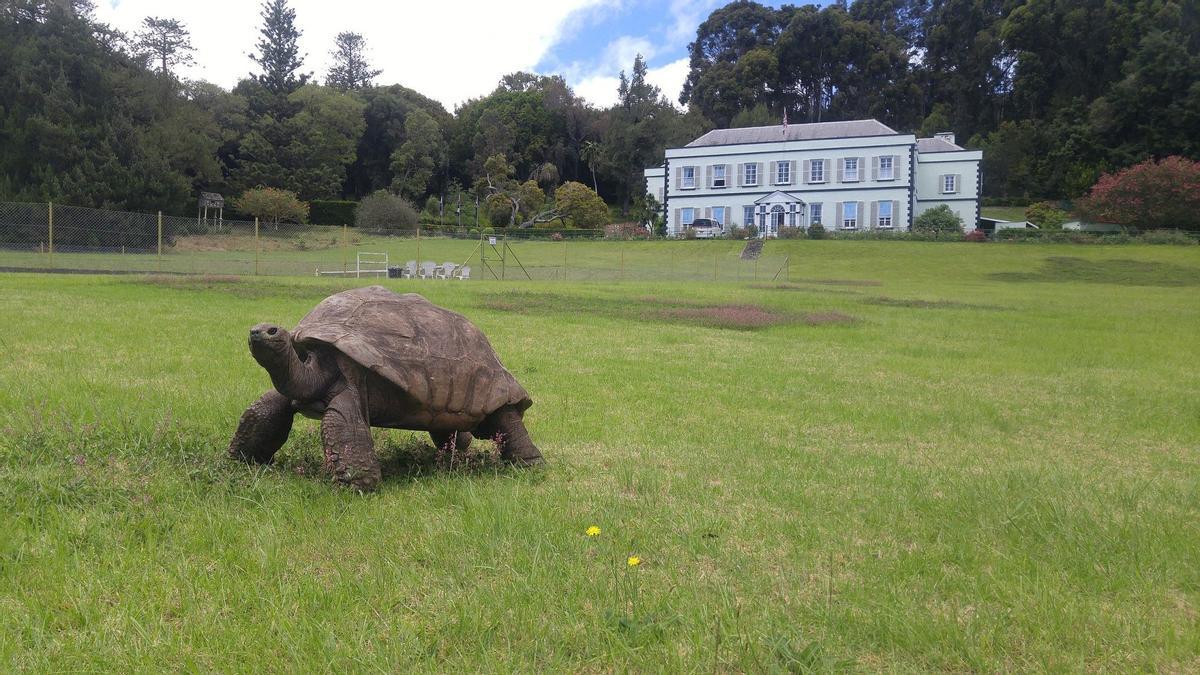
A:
719, 176
814, 214
689, 177
950, 183
719, 214
750, 174
816, 171
747, 215
687, 216
885, 216
783, 173
886, 169
851, 169
849, 215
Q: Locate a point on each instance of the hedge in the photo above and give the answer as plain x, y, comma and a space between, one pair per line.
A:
331, 212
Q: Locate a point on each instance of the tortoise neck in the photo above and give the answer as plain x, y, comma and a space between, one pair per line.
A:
299, 379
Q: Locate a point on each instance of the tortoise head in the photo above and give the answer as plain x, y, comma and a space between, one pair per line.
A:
271, 346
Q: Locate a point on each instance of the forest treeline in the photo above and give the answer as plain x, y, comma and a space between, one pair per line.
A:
1055, 92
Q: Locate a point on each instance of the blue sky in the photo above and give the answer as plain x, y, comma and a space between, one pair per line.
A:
451, 50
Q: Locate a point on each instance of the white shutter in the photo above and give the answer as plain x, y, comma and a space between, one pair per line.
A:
805, 171
774, 173
741, 174
758, 175
958, 182
708, 176
677, 225
729, 175
895, 167
874, 168
837, 219
874, 214
841, 171
678, 177
862, 169
896, 215
862, 215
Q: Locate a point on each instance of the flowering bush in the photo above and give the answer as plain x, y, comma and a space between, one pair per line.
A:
1150, 195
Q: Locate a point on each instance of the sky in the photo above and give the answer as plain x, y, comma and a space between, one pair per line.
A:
452, 50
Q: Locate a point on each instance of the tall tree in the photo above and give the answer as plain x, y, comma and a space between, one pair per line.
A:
278, 52
419, 157
350, 70
164, 42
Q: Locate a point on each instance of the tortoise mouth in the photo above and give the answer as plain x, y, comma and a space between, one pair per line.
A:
265, 332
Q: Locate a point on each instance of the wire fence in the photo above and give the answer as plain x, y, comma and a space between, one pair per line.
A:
53, 237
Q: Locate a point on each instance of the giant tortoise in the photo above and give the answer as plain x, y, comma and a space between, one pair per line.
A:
370, 357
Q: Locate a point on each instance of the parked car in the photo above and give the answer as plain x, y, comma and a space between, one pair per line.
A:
707, 228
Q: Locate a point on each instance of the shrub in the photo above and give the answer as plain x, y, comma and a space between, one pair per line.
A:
383, 210
975, 235
1046, 215
791, 233
1167, 237
938, 220
331, 212
433, 206
816, 231
1150, 195
272, 205
751, 231
581, 205
735, 232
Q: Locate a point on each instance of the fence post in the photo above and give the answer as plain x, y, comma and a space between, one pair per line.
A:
256, 246
345, 248
50, 218
159, 241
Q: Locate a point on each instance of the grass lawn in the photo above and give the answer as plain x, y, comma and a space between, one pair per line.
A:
1004, 212
910, 457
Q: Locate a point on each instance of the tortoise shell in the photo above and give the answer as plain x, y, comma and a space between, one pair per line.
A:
437, 356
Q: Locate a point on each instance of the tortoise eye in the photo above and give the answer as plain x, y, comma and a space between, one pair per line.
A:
272, 331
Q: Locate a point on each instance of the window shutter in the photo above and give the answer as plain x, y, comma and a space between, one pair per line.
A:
676, 223
792, 172
874, 168
729, 175
958, 182
874, 214
774, 173
862, 214
805, 171
896, 167
896, 215
708, 176
678, 177
862, 169
837, 220
758, 174
841, 171
741, 174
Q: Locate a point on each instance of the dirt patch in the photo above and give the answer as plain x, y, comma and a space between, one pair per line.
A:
927, 304
839, 282
269, 240
740, 317
805, 288
190, 279
828, 318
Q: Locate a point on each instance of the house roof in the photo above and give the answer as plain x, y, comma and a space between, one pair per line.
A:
936, 145
794, 132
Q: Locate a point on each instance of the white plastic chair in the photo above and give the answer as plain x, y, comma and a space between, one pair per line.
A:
446, 270
410, 269
463, 273
428, 270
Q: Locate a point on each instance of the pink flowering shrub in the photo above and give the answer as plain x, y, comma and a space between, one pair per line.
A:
1150, 195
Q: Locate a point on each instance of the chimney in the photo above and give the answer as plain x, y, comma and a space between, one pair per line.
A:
947, 136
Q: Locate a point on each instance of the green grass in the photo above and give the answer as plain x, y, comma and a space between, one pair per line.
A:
930, 457
1004, 212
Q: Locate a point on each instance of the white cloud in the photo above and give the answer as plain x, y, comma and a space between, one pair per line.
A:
447, 51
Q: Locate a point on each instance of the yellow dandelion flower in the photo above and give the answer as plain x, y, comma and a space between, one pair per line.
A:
593, 531
633, 561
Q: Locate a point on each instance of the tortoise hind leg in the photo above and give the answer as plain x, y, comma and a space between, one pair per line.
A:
349, 450
506, 427
263, 429
462, 439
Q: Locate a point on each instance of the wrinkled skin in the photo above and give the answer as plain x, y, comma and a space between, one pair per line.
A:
322, 382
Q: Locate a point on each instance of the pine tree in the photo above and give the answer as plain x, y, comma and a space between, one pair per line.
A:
350, 69
164, 42
278, 51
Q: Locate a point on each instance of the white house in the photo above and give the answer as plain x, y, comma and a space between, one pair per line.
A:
853, 175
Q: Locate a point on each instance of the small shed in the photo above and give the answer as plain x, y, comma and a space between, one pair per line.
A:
214, 201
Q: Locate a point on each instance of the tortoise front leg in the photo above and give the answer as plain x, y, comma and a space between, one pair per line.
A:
506, 427
263, 429
349, 450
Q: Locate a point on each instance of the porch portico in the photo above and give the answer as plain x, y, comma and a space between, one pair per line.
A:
776, 210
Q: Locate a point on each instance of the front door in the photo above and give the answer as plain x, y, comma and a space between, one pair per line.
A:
776, 220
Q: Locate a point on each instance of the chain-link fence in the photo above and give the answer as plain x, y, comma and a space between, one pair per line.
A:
52, 237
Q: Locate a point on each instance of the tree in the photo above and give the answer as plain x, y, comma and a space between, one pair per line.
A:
350, 70
165, 42
278, 52
1152, 194
322, 137
590, 153
272, 205
938, 220
383, 210
581, 206
418, 158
